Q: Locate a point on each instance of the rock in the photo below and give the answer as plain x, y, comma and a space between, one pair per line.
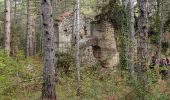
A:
105, 49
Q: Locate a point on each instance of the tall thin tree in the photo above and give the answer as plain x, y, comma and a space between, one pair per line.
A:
161, 29
29, 33
131, 37
76, 29
14, 38
48, 88
142, 44
7, 25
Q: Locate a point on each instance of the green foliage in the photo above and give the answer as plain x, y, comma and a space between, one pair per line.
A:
154, 39
21, 80
16, 75
65, 61
167, 25
122, 37
122, 56
154, 36
165, 46
111, 12
99, 83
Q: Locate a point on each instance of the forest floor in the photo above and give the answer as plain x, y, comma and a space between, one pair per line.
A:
21, 80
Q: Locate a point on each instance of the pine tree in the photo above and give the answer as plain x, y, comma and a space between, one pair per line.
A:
161, 31
76, 29
142, 45
48, 89
29, 34
131, 37
7, 25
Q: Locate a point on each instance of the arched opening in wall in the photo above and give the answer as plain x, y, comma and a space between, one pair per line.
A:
97, 51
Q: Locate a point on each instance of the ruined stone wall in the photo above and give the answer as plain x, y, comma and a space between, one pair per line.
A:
105, 49
65, 38
64, 29
97, 41
86, 56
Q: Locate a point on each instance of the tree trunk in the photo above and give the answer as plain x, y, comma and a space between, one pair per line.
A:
142, 44
48, 89
74, 21
7, 25
76, 29
15, 12
14, 38
161, 31
29, 34
131, 37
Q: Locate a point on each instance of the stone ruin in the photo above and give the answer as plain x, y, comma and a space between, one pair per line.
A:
66, 38
64, 26
97, 39
104, 48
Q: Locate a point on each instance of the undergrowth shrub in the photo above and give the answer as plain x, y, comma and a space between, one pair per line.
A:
18, 75
65, 61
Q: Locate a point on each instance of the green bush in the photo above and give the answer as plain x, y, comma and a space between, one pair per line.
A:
154, 39
17, 76
65, 61
165, 46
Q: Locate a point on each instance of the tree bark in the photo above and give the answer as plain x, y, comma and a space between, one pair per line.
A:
29, 34
48, 88
131, 37
161, 30
14, 38
76, 29
7, 25
142, 44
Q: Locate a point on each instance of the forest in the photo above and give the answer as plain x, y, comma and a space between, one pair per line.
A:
84, 49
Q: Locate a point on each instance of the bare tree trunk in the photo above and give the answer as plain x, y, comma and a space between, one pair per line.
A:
142, 44
74, 21
15, 12
131, 37
48, 88
34, 41
7, 25
161, 30
29, 34
14, 38
76, 29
